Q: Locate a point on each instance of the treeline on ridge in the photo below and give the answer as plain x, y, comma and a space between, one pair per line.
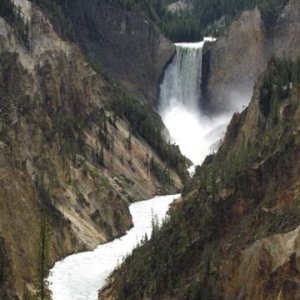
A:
148, 125
201, 16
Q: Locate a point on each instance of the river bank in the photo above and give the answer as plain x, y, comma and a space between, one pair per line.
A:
79, 276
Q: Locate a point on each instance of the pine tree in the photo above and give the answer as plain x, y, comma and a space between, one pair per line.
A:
101, 156
129, 142
43, 261
26, 294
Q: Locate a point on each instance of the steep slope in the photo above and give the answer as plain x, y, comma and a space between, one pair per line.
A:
232, 76
235, 232
120, 41
67, 153
248, 45
287, 31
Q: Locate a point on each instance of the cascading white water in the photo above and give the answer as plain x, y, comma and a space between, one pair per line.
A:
182, 79
80, 276
179, 105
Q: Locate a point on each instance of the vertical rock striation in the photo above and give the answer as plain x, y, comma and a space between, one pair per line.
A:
63, 153
238, 57
126, 45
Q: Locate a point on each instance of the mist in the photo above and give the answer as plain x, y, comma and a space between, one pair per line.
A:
197, 134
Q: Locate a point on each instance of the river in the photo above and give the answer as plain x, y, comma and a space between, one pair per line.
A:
80, 276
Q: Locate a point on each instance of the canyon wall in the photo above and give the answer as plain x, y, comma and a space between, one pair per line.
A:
131, 49
234, 234
235, 60
64, 154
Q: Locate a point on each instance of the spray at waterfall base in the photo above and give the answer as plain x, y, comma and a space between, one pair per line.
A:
196, 133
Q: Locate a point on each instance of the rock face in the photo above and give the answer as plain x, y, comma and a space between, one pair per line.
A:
236, 60
178, 6
287, 31
235, 232
238, 57
130, 48
6, 284
271, 265
63, 154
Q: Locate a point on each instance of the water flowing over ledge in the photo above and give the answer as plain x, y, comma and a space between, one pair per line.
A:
196, 133
80, 276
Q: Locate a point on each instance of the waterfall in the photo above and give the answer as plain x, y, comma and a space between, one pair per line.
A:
182, 79
179, 105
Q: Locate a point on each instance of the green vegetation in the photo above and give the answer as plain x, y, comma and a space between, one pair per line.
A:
55, 9
26, 294
13, 15
43, 261
100, 157
129, 142
277, 104
152, 9
162, 174
3, 262
236, 197
209, 11
276, 85
152, 267
148, 125
202, 15
275, 89
7, 9
143, 120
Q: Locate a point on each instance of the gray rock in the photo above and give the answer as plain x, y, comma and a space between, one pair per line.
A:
128, 46
233, 63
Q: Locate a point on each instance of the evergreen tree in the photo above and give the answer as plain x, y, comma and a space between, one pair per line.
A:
129, 142
101, 156
26, 294
43, 261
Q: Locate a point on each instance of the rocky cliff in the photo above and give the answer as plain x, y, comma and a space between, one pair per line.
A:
286, 34
65, 154
236, 59
241, 54
235, 232
130, 48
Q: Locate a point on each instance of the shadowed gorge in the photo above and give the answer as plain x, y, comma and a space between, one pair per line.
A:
106, 103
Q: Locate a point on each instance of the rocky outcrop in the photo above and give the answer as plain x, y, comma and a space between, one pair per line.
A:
63, 154
238, 57
270, 266
131, 49
235, 232
286, 34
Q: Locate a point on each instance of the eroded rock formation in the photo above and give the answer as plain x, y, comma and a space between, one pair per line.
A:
242, 53
125, 43
63, 153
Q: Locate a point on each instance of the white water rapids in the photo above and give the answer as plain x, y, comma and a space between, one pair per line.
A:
80, 276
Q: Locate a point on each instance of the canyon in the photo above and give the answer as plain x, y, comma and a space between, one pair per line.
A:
65, 154
87, 127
